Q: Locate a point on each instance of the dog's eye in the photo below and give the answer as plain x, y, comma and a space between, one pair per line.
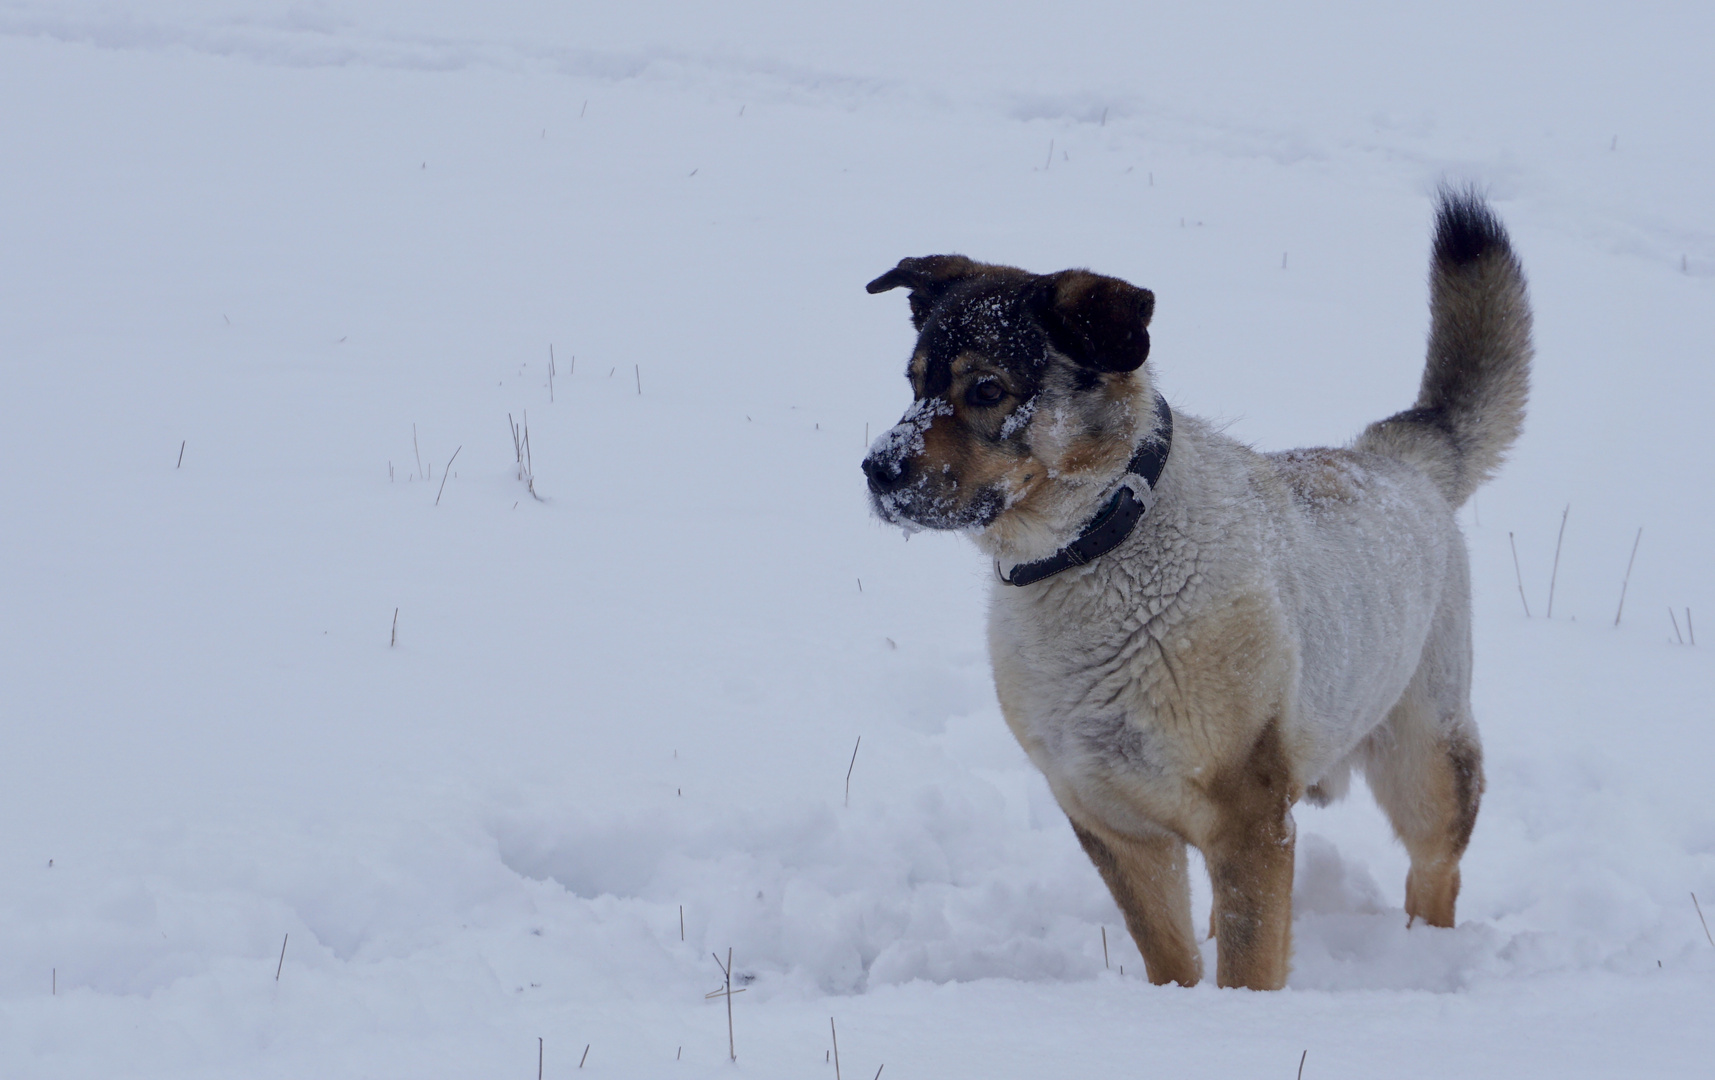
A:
985, 393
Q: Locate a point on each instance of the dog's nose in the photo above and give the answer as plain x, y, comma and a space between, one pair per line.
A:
885, 474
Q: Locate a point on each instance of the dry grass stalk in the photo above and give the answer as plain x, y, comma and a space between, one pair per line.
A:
726, 970
521, 450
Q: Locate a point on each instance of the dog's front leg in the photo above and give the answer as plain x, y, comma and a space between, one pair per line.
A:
1148, 879
1250, 868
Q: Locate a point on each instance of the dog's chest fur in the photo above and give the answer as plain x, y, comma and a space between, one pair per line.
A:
1247, 597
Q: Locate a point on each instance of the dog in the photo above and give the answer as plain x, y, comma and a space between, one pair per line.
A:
1189, 636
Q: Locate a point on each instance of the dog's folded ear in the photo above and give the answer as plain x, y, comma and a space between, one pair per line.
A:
927, 278
1098, 322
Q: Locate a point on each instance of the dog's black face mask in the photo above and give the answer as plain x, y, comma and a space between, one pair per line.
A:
995, 345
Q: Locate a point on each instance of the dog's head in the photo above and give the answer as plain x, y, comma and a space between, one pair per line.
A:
1030, 395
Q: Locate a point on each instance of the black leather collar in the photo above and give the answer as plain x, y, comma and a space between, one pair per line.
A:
1116, 520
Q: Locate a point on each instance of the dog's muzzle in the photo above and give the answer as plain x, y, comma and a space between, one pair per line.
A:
887, 473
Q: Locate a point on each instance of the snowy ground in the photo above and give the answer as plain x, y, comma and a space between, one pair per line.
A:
325, 247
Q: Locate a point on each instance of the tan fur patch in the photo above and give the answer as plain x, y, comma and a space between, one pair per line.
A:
1149, 882
1322, 477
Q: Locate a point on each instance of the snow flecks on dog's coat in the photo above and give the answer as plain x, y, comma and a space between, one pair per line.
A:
1273, 622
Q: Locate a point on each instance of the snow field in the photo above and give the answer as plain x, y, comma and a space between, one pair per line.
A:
286, 236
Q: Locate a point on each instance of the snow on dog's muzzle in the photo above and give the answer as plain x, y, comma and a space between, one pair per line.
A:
898, 486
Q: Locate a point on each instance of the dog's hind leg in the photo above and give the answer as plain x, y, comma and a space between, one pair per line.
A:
1425, 766
1148, 878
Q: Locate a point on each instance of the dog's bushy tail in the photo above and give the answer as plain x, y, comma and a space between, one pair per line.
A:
1471, 404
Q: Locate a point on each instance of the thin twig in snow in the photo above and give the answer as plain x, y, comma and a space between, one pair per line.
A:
850, 767
1701, 919
1628, 578
395, 639
585, 1057
835, 1033
416, 451
281, 966
1675, 619
182, 456
446, 472
1556, 572
1301, 1058
1518, 576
